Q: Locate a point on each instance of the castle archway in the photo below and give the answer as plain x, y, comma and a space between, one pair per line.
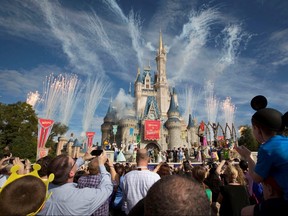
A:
152, 145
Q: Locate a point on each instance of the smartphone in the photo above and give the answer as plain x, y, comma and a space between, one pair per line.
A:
96, 152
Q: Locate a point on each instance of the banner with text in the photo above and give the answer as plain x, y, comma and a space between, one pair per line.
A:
44, 129
152, 130
90, 136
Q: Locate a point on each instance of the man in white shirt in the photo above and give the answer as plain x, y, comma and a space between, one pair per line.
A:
136, 183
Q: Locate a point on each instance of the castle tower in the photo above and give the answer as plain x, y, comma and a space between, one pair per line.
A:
192, 131
138, 92
128, 126
76, 148
106, 127
161, 84
173, 125
62, 141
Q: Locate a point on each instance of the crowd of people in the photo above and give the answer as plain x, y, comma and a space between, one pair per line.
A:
94, 185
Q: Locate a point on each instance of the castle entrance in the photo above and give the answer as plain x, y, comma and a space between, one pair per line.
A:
153, 152
152, 145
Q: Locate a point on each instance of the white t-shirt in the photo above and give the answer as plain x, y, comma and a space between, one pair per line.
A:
135, 185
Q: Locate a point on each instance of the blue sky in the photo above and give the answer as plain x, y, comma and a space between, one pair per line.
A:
235, 49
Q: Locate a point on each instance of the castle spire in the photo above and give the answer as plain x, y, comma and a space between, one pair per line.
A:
160, 42
190, 122
173, 107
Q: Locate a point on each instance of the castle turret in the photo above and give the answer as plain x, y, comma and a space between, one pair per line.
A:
76, 148
61, 142
106, 127
192, 131
173, 125
128, 126
138, 92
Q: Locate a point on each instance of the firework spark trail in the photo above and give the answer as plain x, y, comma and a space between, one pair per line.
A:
96, 28
52, 95
234, 40
190, 102
69, 100
33, 98
228, 111
94, 92
212, 103
114, 7
75, 43
134, 27
194, 34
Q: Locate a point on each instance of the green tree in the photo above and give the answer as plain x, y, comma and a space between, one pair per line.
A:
18, 129
247, 138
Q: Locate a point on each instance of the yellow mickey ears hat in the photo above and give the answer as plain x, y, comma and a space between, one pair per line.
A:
36, 168
15, 176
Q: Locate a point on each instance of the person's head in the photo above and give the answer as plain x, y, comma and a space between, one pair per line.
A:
120, 169
187, 167
78, 174
23, 196
241, 176
164, 170
44, 162
231, 173
142, 157
243, 165
271, 189
199, 173
266, 120
64, 169
93, 166
176, 195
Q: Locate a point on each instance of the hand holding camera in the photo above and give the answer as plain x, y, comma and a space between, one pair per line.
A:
102, 158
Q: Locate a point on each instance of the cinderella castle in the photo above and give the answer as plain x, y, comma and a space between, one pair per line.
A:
154, 120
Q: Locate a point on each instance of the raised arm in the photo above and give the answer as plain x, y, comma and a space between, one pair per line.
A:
246, 154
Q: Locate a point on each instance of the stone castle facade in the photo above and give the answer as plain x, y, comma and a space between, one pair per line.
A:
154, 100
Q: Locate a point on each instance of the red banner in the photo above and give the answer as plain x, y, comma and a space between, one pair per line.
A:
44, 129
152, 130
90, 136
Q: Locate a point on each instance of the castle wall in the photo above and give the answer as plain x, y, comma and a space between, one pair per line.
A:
174, 138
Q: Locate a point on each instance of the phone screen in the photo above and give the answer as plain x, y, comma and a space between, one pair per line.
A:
96, 152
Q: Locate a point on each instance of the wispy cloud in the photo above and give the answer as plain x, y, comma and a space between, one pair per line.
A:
279, 40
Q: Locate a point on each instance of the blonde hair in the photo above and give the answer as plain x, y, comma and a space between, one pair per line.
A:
231, 173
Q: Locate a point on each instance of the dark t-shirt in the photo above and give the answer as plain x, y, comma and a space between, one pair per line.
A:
235, 197
275, 206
